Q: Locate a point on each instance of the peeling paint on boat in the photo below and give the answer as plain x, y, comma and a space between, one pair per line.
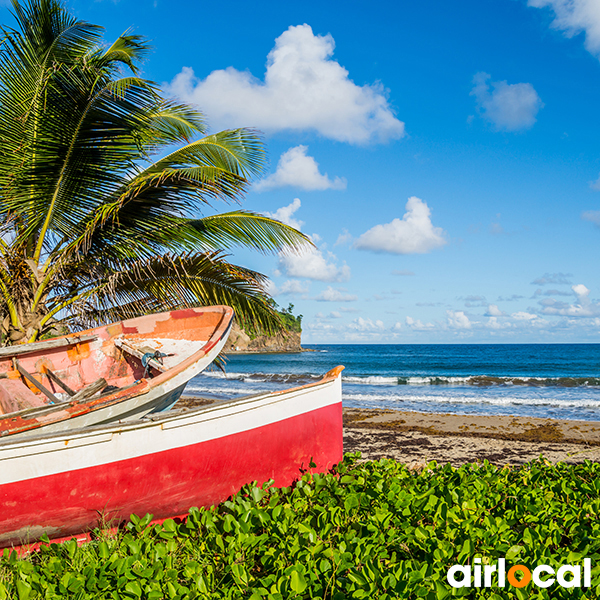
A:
193, 336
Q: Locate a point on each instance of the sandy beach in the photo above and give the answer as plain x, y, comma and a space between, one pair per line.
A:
417, 438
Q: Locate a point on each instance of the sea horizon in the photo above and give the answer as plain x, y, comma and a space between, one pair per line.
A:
305, 345
532, 380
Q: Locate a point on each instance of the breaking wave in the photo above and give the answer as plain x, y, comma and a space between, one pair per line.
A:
427, 399
441, 380
283, 378
479, 381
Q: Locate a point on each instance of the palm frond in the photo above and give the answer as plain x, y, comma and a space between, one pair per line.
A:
171, 281
97, 220
245, 228
239, 151
127, 49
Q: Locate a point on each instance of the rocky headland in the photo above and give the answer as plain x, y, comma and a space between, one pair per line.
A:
284, 341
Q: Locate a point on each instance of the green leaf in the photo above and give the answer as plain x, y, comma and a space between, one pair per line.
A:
240, 574
513, 552
103, 550
297, 582
23, 590
133, 588
441, 591
351, 501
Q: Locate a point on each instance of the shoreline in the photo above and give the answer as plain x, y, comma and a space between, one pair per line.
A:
417, 438
227, 352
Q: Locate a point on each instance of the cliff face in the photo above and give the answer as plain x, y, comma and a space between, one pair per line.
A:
239, 341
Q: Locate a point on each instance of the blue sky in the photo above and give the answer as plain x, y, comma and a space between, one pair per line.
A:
444, 157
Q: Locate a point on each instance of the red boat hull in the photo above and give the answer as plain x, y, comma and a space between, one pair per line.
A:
170, 481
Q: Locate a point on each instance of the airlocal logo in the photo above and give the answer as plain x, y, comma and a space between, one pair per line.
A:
542, 576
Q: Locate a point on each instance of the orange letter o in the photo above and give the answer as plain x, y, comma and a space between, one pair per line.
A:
524, 580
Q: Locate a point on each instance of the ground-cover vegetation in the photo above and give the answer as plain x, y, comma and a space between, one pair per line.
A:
371, 530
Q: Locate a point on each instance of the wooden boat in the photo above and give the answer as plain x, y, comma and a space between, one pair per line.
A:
120, 371
62, 485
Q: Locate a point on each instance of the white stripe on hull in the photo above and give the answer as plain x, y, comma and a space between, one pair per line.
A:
49, 455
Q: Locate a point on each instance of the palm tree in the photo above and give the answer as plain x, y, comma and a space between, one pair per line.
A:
101, 184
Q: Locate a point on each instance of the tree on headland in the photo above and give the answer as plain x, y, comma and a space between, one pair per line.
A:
101, 184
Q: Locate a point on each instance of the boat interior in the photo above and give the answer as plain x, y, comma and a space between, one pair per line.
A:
101, 361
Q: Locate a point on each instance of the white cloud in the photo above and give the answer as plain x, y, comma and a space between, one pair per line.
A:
574, 17
417, 324
343, 238
523, 316
333, 295
494, 311
413, 234
541, 292
492, 323
458, 319
496, 228
312, 264
595, 185
296, 169
510, 107
593, 216
553, 278
291, 287
361, 324
284, 214
471, 301
583, 307
334, 314
304, 89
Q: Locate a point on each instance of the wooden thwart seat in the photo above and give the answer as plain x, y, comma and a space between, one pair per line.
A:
59, 382
71, 340
40, 386
89, 390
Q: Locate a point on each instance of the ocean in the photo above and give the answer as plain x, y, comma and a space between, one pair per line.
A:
560, 381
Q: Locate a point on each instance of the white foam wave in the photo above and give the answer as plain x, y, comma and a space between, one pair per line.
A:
474, 380
214, 374
371, 380
221, 390
275, 378
481, 400
429, 380
396, 380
